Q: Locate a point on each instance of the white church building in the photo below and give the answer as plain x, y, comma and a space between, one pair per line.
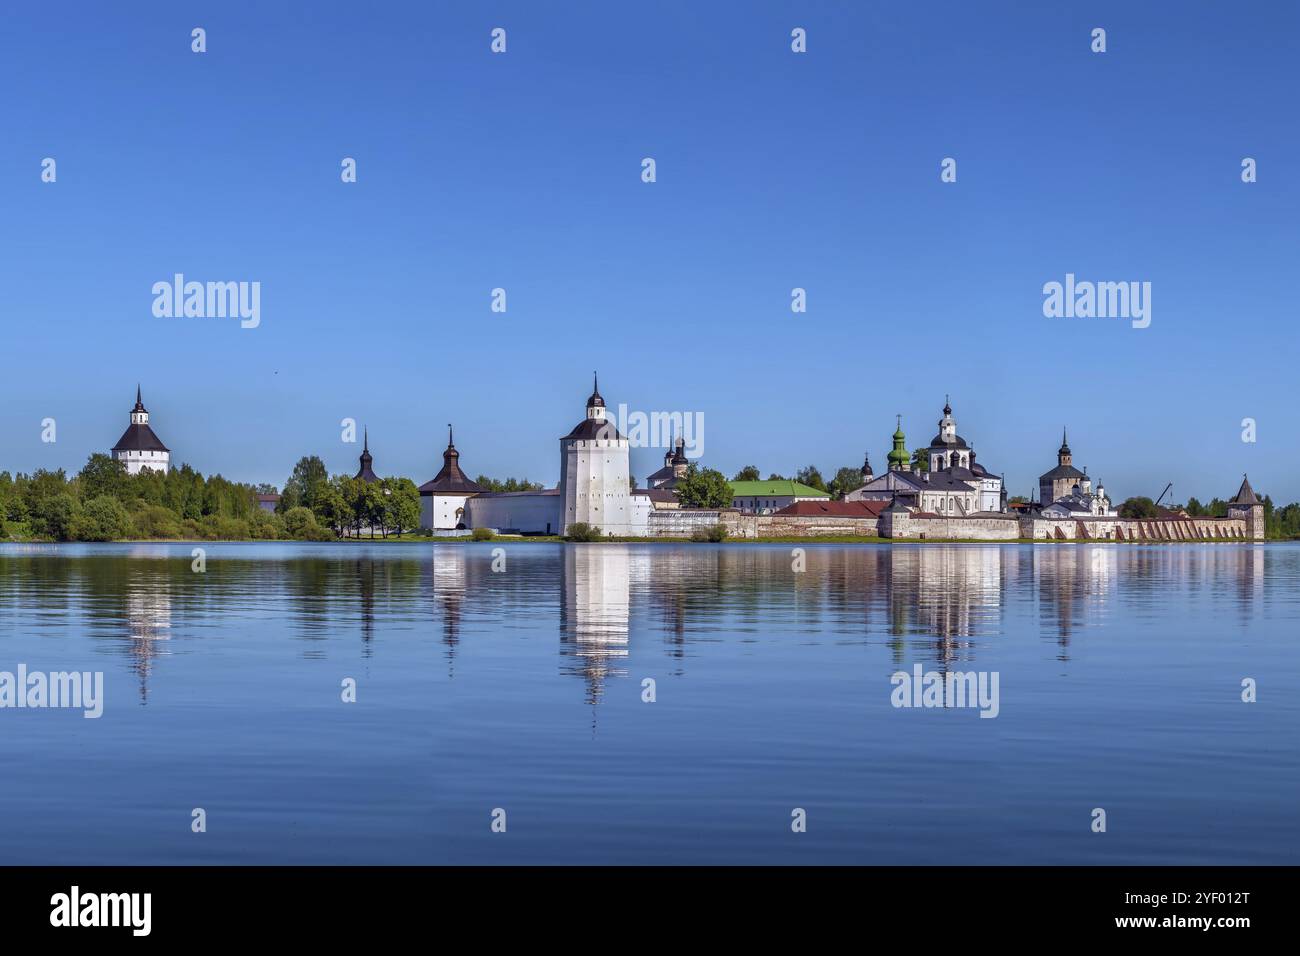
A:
595, 487
139, 448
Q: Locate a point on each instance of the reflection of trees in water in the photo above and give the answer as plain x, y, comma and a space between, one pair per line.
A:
1073, 582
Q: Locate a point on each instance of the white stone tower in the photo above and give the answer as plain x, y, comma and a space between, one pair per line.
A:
139, 448
594, 473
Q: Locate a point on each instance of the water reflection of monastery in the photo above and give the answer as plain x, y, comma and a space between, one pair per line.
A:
952, 594
942, 605
594, 608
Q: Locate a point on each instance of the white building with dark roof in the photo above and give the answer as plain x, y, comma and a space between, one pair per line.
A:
1066, 492
1060, 481
595, 475
442, 498
954, 485
595, 488
139, 448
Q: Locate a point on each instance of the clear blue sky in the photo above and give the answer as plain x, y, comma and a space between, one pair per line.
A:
775, 170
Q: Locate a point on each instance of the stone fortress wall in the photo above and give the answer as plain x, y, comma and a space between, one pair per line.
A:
680, 523
1126, 529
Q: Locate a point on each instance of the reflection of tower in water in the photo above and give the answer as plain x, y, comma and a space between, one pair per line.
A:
148, 621
365, 572
948, 592
594, 613
1072, 580
1249, 575
449, 593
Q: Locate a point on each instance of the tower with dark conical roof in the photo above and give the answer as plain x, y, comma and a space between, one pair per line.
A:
139, 448
595, 485
1247, 506
367, 473
1060, 481
442, 498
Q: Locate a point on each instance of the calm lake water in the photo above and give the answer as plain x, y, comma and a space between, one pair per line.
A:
1119, 670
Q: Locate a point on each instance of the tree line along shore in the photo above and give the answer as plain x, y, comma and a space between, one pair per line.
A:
101, 502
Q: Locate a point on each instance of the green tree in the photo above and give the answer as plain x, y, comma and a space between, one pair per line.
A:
300, 523
266, 526
811, 477
305, 484
581, 531
846, 479
102, 475
53, 516
401, 505
155, 521
102, 518
510, 484
921, 459
703, 488
333, 508
714, 533
1138, 507
40, 486
748, 473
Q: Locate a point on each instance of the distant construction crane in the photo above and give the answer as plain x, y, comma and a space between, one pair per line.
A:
1165, 492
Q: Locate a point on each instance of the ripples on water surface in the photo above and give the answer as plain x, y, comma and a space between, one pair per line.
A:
1120, 671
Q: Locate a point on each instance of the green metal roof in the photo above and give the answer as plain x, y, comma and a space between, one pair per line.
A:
774, 489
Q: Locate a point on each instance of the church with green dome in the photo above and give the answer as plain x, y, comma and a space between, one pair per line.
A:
953, 485
900, 459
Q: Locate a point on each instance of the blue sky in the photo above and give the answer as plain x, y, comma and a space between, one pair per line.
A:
775, 170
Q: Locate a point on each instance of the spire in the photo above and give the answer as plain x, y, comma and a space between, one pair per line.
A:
595, 401
137, 394
451, 454
1245, 494
366, 473
947, 406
